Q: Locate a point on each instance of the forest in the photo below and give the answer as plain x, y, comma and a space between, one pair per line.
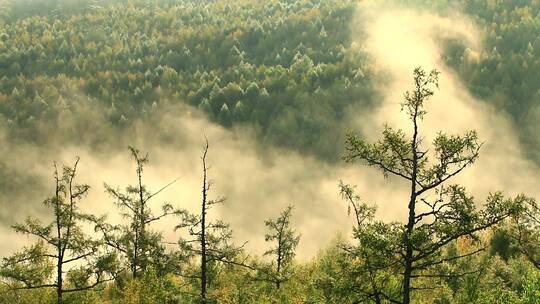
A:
122, 83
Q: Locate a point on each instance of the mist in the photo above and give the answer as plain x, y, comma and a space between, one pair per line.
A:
402, 38
260, 180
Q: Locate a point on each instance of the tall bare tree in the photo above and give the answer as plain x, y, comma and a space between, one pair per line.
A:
210, 241
437, 213
63, 251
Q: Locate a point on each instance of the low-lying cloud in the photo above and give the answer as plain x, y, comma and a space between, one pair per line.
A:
401, 38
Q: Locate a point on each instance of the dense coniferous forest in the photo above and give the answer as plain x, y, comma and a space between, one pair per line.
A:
295, 73
286, 67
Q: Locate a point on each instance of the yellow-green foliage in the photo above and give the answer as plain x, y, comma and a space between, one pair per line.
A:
325, 279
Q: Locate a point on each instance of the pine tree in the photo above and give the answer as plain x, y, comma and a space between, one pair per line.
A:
224, 115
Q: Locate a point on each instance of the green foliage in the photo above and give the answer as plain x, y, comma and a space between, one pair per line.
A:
30, 266
438, 212
64, 257
503, 244
531, 289
149, 289
525, 232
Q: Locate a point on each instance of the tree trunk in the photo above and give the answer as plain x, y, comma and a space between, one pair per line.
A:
278, 279
408, 269
203, 257
408, 257
139, 228
59, 279
203, 232
59, 245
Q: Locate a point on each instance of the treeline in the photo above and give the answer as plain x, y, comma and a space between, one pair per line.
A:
449, 249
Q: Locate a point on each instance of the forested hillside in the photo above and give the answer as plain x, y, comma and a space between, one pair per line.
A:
297, 77
285, 67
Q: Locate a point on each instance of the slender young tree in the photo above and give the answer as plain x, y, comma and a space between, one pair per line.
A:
210, 241
437, 213
140, 246
286, 240
63, 252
